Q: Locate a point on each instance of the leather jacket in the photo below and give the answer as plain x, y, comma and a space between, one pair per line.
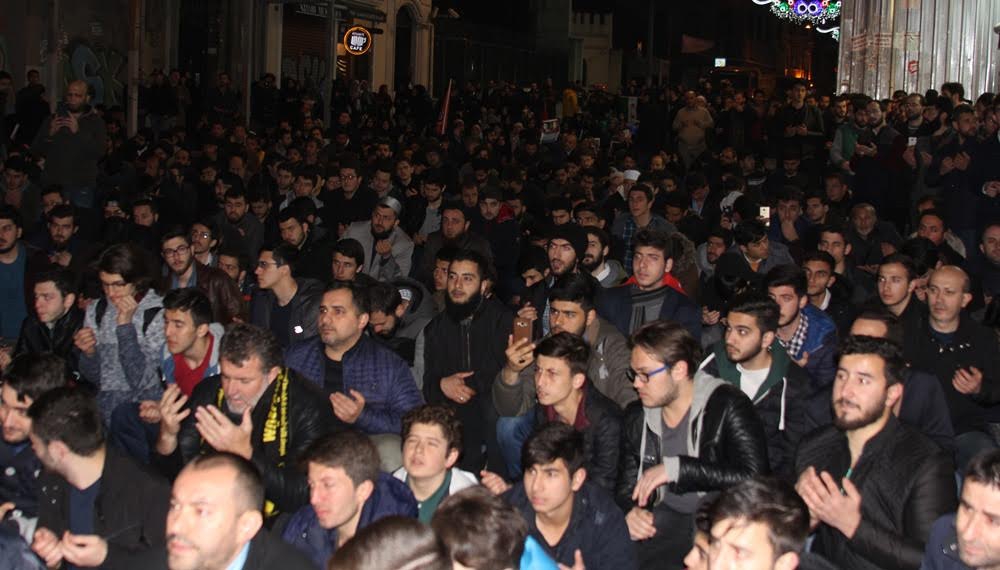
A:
36, 337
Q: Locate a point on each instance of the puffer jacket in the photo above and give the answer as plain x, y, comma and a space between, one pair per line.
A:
37, 337
303, 322
906, 482
942, 547
780, 401
725, 443
821, 346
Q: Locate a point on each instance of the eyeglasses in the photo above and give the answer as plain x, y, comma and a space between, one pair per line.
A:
202, 235
631, 374
348, 176
179, 250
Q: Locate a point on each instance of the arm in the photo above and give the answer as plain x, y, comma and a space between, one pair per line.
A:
131, 356
404, 257
604, 460
517, 398
616, 359
836, 151
418, 361
403, 397
628, 458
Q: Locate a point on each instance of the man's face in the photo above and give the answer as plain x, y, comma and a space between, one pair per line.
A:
381, 181
114, 286
532, 276
656, 390
861, 117
177, 253
344, 268
236, 208
61, 230
431, 191
180, 331
292, 232
789, 302
860, 391
567, 316
819, 277
550, 486
426, 453
714, 248
333, 496
340, 324
14, 416
945, 297
595, 253
561, 217
261, 209
562, 256
874, 114
697, 557
76, 96
383, 324
967, 124
201, 239
441, 274
798, 93
738, 544
758, 250
835, 189
349, 179
744, 339
587, 219
51, 200
50, 304
9, 234
914, 110
791, 166
638, 204
285, 180
470, 196
554, 381
464, 281
675, 214
243, 384
840, 109
231, 265
835, 245
790, 208
268, 271
932, 228
14, 179
816, 210
649, 266
304, 186
894, 284
990, 245
383, 221
976, 525
143, 216
453, 224
489, 208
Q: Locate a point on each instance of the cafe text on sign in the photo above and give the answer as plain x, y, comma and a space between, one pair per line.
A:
357, 40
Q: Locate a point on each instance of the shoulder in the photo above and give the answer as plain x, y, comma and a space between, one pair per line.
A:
269, 551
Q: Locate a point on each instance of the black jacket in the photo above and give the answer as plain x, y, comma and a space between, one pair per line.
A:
615, 304
906, 482
267, 551
730, 444
36, 337
130, 510
302, 323
309, 416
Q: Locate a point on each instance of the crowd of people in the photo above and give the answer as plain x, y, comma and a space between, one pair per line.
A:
753, 330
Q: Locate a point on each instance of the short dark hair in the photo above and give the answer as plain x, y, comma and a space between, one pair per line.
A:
668, 342
905, 260
771, 502
9, 213
762, 308
439, 415
822, 257
566, 346
350, 247
30, 375
749, 231
176, 232
359, 295
787, 274
889, 351
350, 450
835, 229
392, 542
191, 300
923, 252
132, 262
552, 441
658, 240
722, 233
69, 415
645, 189
893, 327
384, 298
575, 288
65, 280
480, 530
984, 468
62, 211
284, 254
482, 265
290, 213
243, 341
933, 212
532, 257
248, 486
601, 235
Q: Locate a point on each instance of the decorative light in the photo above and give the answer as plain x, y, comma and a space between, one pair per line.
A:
803, 11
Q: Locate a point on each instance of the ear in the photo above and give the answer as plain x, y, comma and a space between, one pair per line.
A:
401, 309
578, 380
803, 302
787, 561
451, 458
579, 476
767, 339
68, 301
363, 491
680, 371
248, 525
363, 319
467, 225
591, 316
832, 280
201, 330
912, 286
894, 394
847, 250
966, 299
669, 266
273, 374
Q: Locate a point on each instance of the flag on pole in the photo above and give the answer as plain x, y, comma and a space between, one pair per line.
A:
442, 124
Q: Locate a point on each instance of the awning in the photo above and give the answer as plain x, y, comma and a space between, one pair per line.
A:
346, 9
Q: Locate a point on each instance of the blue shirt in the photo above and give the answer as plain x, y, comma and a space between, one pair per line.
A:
12, 308
241, 558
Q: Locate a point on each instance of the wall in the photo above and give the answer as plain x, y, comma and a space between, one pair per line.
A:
603, 64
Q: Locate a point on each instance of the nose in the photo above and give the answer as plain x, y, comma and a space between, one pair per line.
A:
969, 530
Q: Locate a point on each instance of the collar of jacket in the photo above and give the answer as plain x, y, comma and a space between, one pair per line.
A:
729, 372
668, 280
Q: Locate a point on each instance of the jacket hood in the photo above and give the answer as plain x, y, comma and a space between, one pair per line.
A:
776, 373
668, 280
704, 385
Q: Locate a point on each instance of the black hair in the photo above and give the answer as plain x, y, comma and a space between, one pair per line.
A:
480, 530
763, 309
566, 346
132, 262
176, 232
350, 247
749, 231
722, 233
482, 264
669, 343
890, 353
191, 300
659, 240
30, 375
284, 254
821, 256
66, 281
601, 235
577, 288
905, 260
69, 415
787, 274
350, 450
552, 441
360, 298
893, 327
9, 213
384, 298
985, 469
532, 257
769, 501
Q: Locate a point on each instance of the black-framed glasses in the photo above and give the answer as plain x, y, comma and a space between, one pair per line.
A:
644, 377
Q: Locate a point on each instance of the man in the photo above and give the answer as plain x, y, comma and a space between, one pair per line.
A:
55, 319
254, 408
368, 385
873, 485
454, 233
575, 520
185, 271
567, 245
652, 292
751, 358
353, 202
717, 241
62, 243
807, 334
476, 328
423, 211
348, 260
215, 521
963, 355
931, 224
640, 216
205, 239
347, 493
20, 265
824, 294
953, 169
315, 250
563, 395
845, 140
802, 124
752, 252
608, 272
25, 380
691, 434
237, 225
72, 143
871, 239
497, 225
97, 508
897, 281
283, 304
878, 167
432, 439
387, 247
967, 539
398, 322
122, 333
20, 192
692, 123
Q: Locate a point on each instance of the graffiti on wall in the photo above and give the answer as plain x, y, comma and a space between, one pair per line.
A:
309, 70
102, 68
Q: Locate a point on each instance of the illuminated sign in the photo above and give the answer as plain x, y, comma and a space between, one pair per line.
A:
357, 40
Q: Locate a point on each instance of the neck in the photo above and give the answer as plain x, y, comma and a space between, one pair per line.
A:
88, 470
196, 354
857, 438
817, 300
346, 531
599, 269
841, 266
203, 258
336, 352
674, 412
785, 333
424, 488
553, 524
916, 122
10, 256
948, 326
348, 193
284, 290
436, 203
569, 407
184, 278
643, 220
899, 307
759, 362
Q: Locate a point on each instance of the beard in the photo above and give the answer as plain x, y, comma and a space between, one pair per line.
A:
868, 415
461, 311
741, 358
9, 248
591, 263
381, 235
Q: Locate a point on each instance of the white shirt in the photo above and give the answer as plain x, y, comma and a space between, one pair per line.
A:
752, 380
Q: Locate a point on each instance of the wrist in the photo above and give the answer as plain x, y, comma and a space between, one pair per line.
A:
166, 444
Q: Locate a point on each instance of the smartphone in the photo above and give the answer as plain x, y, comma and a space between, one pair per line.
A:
765, 215
522, 329
911, 141
62, 109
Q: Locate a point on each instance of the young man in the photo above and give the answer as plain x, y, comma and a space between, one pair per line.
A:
563, 395
576, 521
640, 217
454, 232
348, 260
751, 357
399, 312
20, 265
186, 271
286, 306
315, 250
754, 253
823, 290
896, 282
432, 439
691, 434
97, 508
873, 485
237, 225
55, 318
836, 241
608, 272
387, 248
205, 239
566, 247
652, 292
347, 493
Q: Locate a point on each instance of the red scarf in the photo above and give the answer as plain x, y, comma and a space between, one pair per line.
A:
668, 280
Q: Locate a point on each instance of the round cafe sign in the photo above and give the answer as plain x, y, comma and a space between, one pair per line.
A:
357, 40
